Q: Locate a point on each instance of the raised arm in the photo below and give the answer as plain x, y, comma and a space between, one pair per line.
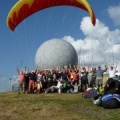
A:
106, 67
17, 68
89, 69
116, 66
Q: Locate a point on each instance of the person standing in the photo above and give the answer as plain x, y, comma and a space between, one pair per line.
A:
111, 71
93, 78
21, 81
32, 80
99, 76
26, 79
84, 79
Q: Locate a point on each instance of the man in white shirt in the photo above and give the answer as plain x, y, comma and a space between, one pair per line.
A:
58, 87
111, 71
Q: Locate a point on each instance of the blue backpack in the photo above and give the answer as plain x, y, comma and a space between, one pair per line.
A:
110, 101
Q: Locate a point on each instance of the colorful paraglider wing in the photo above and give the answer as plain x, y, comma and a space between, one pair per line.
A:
24, 8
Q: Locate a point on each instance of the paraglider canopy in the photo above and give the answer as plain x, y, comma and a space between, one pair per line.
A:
24, 8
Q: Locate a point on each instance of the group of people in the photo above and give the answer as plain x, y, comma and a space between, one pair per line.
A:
62, 80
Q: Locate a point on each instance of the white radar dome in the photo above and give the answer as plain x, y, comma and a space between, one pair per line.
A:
55, 52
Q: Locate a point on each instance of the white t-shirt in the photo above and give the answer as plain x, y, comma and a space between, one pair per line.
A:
39, 77
111, 73
59, 84
75, 88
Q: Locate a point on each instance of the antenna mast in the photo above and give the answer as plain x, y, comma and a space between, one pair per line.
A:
113, 51
92, 54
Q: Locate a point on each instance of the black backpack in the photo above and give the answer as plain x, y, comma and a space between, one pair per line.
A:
90, 93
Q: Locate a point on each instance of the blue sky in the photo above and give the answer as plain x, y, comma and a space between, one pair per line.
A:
18, 48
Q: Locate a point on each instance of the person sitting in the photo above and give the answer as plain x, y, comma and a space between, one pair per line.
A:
58, 87
38, 87
110, 86
49, 85
70, 87
76, 87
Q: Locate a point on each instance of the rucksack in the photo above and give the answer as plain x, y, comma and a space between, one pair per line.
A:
110, 101
91, 93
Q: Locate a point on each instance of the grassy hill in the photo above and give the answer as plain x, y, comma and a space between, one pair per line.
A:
52, 107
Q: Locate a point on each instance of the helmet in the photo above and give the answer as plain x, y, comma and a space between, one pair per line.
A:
97, 101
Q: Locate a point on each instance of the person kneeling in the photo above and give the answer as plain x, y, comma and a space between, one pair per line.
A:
58, 87
38, 87
76, 87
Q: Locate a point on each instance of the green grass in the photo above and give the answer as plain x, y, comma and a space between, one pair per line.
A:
52, 107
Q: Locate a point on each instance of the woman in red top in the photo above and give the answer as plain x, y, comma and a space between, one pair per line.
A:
75, 77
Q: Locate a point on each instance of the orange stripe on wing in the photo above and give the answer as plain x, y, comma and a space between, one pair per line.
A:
27, 8
17, 13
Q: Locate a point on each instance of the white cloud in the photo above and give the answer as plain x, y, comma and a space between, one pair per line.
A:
69, 39
114, 13
88, 29
99, 43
